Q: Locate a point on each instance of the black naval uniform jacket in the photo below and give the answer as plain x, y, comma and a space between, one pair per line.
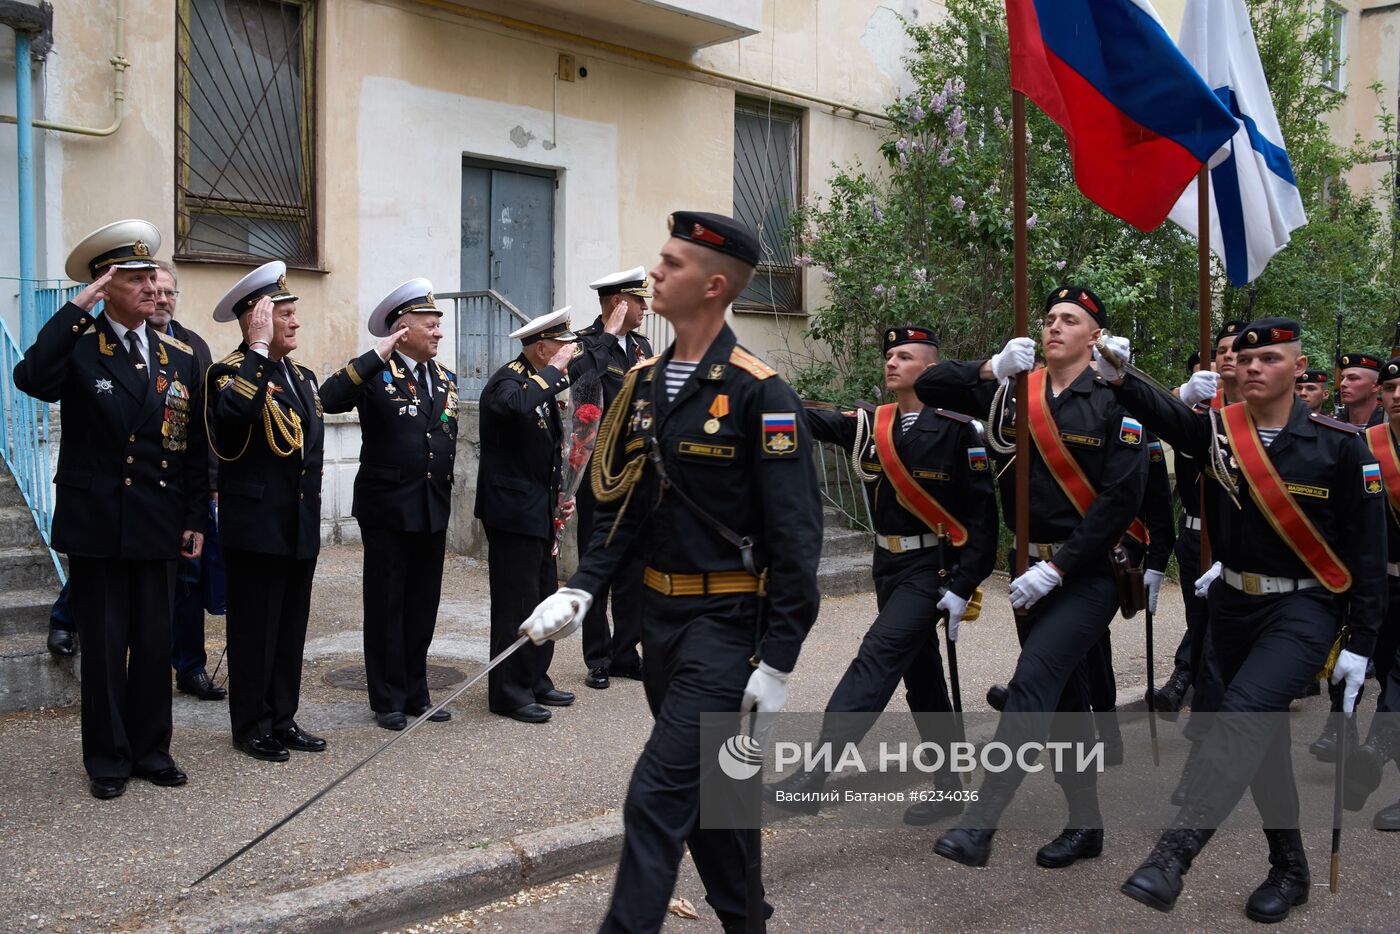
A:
613, 356
518, 480
132, 469
946, 456
268, 504
1091, 423
1322, 460
408, 444
1157, 513
753, 473
204, 359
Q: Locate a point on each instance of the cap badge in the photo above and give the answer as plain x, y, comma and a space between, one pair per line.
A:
429, 300
282, 283
892, 336
1280, 334
139, 248
1253, 337
701, 232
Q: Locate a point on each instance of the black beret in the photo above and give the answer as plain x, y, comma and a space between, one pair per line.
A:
717, 232
1359, 358
1267, 331
1078, 295
1312, 376
1391, 370
1230, 329
908, 334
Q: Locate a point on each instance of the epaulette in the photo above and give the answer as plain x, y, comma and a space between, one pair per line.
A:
234, 359
443, 372
955, 416
517, 366
590, 330
174, 342
1336, 423
751, 364
305, 371
643, 364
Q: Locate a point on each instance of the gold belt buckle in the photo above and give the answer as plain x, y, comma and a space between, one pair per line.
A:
1045, 551
1252, 584
895, 544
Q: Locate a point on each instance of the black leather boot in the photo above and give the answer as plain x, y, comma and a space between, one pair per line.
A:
996, 696
1179, 793
1168, 698
1366, 764
971, 843
1072, 845
799, 793
1387, 818
1288, 883
1157, 882
1325, 746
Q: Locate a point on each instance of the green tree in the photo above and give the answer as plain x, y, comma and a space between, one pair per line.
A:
926, 236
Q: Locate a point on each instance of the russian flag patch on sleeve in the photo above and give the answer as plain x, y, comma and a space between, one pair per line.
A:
779, 434
977, 458
1371, 479
1131, 431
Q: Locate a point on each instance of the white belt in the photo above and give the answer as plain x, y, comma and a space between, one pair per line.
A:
898, 544
1259, 585
1045, 551
1393, 569
1193, 523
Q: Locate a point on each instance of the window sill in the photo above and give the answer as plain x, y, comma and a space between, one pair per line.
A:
251, 262
765, 310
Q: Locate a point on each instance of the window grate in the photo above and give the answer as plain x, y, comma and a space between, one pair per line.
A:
766, 185
245, 131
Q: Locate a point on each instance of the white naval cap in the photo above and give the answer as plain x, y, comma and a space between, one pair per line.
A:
415, 295
632, 281
554, 326
128, 244
269, 279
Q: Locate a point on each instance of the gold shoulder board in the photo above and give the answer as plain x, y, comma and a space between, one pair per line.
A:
175, 343
751, 364
643, 364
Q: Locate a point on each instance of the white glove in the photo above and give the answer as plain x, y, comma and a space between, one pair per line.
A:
1351, 668
1152, 580
1201, 387
557, 616
1018, 356
1118, 346
766, 690
955, 606
1205, 580
1041, 578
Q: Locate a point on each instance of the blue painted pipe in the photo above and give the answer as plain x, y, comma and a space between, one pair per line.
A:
29, 327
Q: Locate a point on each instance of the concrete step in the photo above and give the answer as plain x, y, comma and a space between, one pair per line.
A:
25, 566
9, 490
837, 542
31, 678
26, 610
17, 527
840, 575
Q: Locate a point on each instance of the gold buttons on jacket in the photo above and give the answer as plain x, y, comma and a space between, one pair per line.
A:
129, 458
162, 482
127, 481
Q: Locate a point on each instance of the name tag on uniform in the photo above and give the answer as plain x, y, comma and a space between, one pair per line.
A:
929, 474
721, 451
1309, 490
1088, 441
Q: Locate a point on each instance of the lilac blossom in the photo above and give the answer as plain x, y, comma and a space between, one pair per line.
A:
1032, 221
958, 203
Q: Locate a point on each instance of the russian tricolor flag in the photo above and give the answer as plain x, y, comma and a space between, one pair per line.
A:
1139, 119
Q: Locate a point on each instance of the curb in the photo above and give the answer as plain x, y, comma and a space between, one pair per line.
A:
399, 895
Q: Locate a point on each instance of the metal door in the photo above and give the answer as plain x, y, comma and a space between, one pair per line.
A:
508, 234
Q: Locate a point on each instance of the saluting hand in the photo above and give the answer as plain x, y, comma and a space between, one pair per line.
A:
258, 326
562, 357
95, 292
386, 345
617, 318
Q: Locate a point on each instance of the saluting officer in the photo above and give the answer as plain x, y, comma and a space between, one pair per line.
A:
730, 543
1366, 765
1307, 533
132, 494
618, 344
517, 493
1312, 389
1088, 472
929, 482
1358, 382
407, 403
266, 422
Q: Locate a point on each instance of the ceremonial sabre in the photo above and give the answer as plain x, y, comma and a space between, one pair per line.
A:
753, 861
1152, 697
506, 653
1340, 780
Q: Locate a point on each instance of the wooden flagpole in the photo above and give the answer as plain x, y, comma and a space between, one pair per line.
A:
1203, 286
1023, 434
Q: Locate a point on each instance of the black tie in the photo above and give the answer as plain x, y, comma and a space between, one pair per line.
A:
421, 371
138, 359
292, 387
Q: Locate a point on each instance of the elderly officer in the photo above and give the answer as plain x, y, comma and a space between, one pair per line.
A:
132, 494
516, 498
1311, 387
703, 466
926, 472
1295, 514
407, 403
1088, 471
1359, 384
266, 426
617, 345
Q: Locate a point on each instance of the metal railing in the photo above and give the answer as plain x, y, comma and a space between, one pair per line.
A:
484, 322
27, 430
840, 490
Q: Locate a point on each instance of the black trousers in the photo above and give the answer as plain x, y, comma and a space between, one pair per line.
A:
187, 655
1103, 681
122, 610
1386, 659
902, 643
616, 649
1051, 676
697, 650
522, 573
403, 584
1207, 683
1269, 648
269, 601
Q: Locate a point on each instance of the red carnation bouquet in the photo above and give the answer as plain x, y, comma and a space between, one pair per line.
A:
586, 418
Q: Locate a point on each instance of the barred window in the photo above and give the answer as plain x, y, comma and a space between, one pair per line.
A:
767, 186
245, 131
1333, 67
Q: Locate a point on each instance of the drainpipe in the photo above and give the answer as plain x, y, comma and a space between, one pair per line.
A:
25, 151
